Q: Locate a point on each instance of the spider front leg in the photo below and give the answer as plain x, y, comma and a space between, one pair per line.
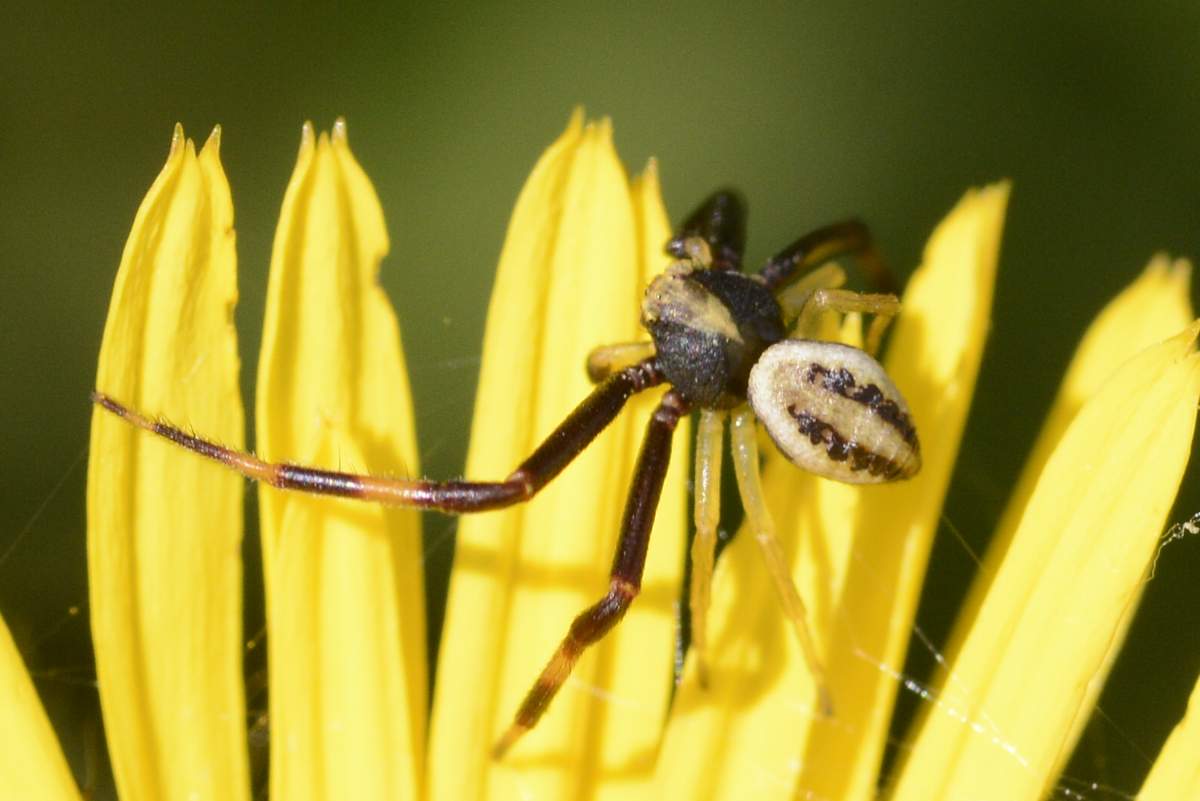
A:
743, 434
849, 237
720, 222
563, 444
625, 577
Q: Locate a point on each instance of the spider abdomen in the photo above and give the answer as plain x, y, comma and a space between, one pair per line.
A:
709, 328
833, 411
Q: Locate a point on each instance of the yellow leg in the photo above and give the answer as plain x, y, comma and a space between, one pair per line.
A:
608, 359
793, 299
743, 433
707, 514
884, 307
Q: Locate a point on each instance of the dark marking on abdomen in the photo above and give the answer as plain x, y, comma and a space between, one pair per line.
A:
841, 382
841, 449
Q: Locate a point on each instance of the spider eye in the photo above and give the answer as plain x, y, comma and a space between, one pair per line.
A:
833, 411
674, 247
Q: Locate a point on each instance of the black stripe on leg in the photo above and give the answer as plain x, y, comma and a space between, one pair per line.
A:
194, 443
324, 482
109, 404
451, 497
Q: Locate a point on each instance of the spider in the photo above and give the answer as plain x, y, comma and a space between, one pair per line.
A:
733, 347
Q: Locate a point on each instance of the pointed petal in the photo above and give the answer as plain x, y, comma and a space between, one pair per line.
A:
344, 579
726, 743
641, 655
165, 527
568, 280
1041, 643
31, 760
1149, 310
1176, 772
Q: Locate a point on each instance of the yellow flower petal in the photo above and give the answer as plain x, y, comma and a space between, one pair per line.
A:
1176, 772
165, 527
860, 554
1149, 310
570, 278
344, 579
1056, 611
31, 761
637, 665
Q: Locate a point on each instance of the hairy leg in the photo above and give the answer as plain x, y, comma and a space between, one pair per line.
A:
709, 436
574, 434
743, 433
625, 577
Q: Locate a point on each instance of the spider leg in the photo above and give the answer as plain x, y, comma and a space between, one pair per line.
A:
607, 359
743, 435
795, 296
721, 222
824, 244
574, 434
883, 307
707, 513
625, 577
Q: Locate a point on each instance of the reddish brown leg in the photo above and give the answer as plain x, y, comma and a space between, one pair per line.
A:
574, 434
849, 237
625, 577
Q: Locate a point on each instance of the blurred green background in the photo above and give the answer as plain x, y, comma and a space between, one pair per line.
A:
816, 110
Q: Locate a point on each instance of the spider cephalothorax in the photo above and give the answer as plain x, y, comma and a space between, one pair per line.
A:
735, 348
709, 327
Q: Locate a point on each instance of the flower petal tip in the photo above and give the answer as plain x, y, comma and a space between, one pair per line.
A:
575, 122
649, 173
1181, 271
979, 205
989, 200
1001, 187
214, 139
996, 195
307, 137
177, 139
600, 130
606, 127
340, 135
1174, 274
